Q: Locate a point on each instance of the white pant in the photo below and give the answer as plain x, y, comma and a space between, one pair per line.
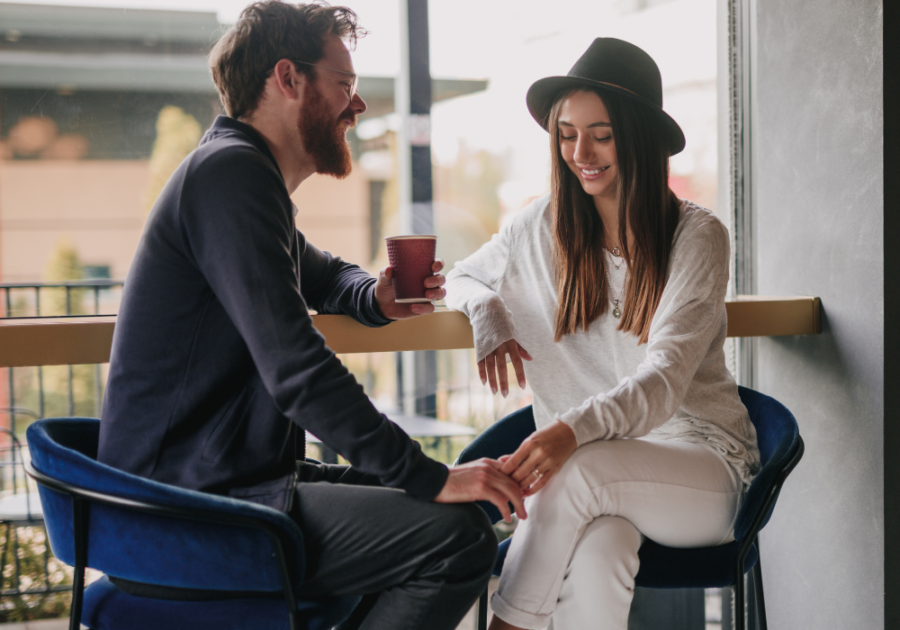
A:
576, 555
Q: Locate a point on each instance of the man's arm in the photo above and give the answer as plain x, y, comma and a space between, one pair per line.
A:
333, 286
238, 230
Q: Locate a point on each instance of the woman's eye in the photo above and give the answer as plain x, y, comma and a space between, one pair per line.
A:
604, 139
561, 137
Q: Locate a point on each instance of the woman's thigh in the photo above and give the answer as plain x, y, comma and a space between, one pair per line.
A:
676, 493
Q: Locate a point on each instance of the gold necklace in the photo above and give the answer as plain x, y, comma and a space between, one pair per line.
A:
616, 298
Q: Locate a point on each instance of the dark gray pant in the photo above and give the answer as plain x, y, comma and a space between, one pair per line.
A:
420, 565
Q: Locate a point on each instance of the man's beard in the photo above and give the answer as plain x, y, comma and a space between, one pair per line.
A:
325, 139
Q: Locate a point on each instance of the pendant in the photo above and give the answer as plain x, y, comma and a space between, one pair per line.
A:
616, 312
616, 252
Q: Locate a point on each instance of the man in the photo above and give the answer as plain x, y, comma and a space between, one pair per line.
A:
216, 368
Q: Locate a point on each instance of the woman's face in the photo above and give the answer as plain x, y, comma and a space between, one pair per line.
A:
587, 145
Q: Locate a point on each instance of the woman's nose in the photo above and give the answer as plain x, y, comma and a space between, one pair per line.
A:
584, 151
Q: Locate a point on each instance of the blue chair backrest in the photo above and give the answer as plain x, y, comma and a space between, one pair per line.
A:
778, 437
150, 548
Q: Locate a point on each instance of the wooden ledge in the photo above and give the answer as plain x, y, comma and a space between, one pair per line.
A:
761, 316
75, 341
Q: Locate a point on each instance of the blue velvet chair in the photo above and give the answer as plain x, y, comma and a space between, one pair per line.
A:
205, 561
781, 448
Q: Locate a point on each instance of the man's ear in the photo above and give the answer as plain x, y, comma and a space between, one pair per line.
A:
288, 82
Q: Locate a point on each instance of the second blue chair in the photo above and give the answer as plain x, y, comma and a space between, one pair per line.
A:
780, 447
215, 562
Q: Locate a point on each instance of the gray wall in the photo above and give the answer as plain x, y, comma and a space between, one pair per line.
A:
819, 202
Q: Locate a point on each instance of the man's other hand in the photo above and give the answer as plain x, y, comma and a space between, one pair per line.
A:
482, 480
384, 294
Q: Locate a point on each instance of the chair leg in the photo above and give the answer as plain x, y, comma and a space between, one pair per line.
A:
758, 588
740, 618
481, 613
79, 516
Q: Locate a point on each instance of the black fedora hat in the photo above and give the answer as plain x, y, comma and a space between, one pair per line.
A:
615, 66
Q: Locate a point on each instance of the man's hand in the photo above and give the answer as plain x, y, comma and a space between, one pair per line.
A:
540, 456
493, 366
482, 480
384, 294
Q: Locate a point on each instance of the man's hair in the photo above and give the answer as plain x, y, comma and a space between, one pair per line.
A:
267, 32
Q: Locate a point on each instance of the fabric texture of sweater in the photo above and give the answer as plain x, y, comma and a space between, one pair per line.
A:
601, 382
216, 367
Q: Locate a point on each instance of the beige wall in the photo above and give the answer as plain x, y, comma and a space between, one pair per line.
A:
334, 215
96, 204
99, 206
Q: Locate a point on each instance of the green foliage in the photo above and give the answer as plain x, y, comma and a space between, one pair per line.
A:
471, 183
32, 544
64, 265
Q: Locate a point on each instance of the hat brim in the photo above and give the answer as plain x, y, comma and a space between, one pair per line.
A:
543, 93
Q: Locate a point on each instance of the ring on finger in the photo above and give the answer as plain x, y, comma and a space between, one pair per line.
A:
537, 473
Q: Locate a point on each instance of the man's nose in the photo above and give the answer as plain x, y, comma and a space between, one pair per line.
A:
358, 105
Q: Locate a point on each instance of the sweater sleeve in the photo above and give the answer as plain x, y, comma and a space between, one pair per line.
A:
472, 287
690, 315
332, 286
238, 229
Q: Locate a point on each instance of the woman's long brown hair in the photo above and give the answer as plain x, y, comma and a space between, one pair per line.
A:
646, 205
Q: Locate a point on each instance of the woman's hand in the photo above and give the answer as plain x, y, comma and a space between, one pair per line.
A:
493, 367
384, 294
540, 456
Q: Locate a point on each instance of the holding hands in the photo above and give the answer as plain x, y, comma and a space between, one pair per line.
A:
540, 457
483, 480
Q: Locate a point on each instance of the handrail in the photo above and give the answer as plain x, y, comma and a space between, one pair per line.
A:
73, 341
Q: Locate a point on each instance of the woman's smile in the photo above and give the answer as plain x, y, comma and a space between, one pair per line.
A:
590, 174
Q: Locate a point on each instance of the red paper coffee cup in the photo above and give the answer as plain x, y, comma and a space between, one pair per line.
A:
411, 258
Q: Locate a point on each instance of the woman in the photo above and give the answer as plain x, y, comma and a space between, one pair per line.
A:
616, 288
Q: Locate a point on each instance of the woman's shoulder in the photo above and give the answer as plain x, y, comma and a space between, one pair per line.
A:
537, 211
531, 223
700, 228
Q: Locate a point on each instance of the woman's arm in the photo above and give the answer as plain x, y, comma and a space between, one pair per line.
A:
472, 287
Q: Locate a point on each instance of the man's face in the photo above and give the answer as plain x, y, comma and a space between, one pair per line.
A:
329, 110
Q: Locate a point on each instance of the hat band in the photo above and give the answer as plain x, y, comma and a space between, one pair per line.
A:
618, 87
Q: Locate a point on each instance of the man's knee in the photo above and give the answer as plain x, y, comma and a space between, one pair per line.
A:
467, 537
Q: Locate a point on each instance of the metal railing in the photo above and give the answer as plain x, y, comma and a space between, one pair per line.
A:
32, 293
72, 298
19, 301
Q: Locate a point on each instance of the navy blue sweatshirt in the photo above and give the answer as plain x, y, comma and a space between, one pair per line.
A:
215, 362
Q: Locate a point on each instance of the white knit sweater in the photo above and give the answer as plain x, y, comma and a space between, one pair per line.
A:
600, 381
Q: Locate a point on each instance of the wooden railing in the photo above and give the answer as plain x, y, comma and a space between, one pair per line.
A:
30, 342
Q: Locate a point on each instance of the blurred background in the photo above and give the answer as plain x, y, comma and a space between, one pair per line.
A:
100, 103
101, 100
